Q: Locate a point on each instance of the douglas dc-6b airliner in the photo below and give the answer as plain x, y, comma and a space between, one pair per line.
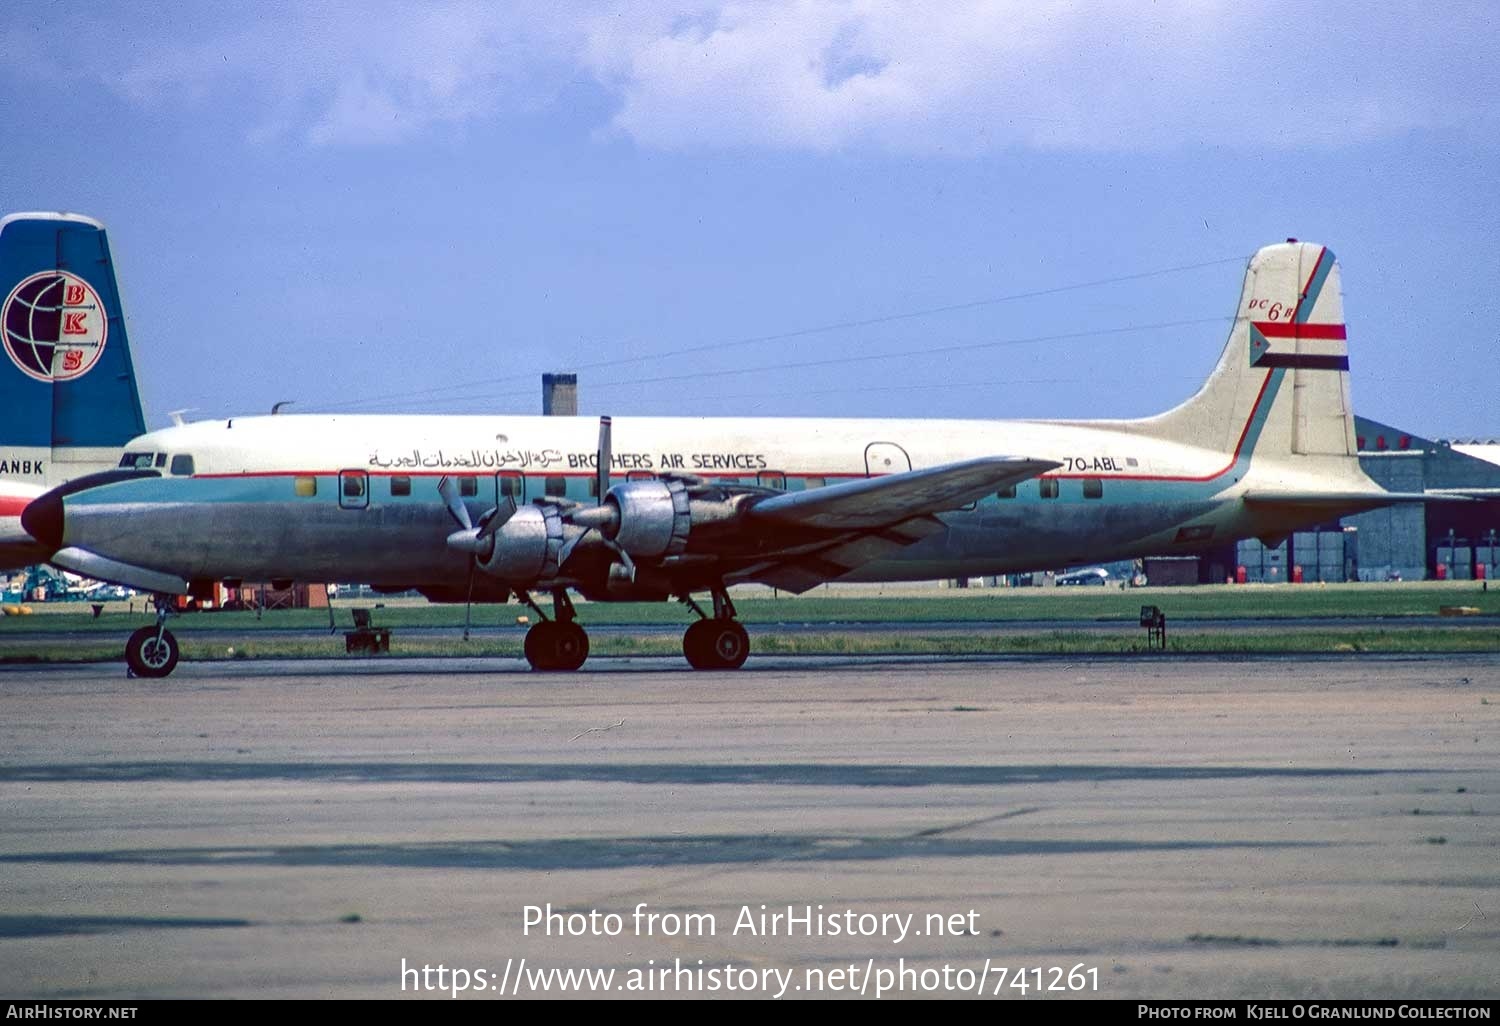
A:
486, 507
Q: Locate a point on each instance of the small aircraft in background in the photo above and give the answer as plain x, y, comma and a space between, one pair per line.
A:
482, 508
68, 386
1092, 575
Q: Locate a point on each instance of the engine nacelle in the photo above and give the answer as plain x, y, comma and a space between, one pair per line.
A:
526, 548
653, 518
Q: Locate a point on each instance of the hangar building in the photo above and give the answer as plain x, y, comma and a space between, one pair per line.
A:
1457, 541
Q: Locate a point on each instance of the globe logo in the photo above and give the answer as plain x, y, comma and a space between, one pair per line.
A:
55, 326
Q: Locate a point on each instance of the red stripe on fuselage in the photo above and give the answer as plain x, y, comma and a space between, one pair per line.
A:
11, 505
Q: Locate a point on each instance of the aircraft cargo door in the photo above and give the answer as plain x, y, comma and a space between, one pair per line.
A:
886, 458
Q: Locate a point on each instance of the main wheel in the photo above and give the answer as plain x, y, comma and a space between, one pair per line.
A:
551, 645
716, 645
570, 647
149, 656
538, 645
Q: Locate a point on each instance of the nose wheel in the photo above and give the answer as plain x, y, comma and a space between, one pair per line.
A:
153, 651
717, 642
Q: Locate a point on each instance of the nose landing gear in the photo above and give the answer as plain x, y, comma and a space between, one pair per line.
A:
153, 651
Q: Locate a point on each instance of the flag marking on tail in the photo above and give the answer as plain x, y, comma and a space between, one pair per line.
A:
1281, 329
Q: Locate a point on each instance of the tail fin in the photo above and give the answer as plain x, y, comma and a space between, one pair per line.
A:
1281, 388
66, 379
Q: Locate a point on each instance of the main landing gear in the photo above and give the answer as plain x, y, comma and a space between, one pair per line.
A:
153, 651
559, 644
717, 642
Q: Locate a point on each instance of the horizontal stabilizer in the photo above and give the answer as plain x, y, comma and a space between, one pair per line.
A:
1340, 502
1462, 493
877, 501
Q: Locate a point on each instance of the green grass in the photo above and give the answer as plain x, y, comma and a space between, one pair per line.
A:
1265, 603
1103, 604
833, 642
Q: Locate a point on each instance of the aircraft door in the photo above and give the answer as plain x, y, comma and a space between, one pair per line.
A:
886, 458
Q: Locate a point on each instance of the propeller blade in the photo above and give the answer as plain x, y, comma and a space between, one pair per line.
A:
606, 426
566, 552
496, 518
448, 489
624, 557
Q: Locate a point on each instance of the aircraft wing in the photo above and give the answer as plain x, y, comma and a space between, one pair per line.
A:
876, 517
881, 501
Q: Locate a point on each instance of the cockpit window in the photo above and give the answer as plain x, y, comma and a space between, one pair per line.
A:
182, 465
136, 461
161, 459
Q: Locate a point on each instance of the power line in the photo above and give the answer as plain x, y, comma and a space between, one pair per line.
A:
800, 332
861, 358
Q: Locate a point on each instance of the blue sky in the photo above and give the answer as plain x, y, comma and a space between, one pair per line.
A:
421, 207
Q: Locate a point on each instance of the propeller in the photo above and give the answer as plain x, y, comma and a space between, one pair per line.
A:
477, 542
604, 516
606, 455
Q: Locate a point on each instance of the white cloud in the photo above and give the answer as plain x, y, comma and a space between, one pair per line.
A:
959, 76
362, 74
970, 75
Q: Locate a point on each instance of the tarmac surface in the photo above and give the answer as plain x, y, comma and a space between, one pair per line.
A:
1164, 827
205, 632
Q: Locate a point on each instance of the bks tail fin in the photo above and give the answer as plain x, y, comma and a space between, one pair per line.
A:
66, 379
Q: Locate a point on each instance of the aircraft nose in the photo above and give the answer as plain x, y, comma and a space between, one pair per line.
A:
43, 519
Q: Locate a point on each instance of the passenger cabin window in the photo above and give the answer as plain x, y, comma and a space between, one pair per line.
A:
400, 485
1008, 492
182, 465
773, 479
510, 486
814, 482
468, 487
1048, 487
555, 486
305, 486
1093, 488
354, 489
